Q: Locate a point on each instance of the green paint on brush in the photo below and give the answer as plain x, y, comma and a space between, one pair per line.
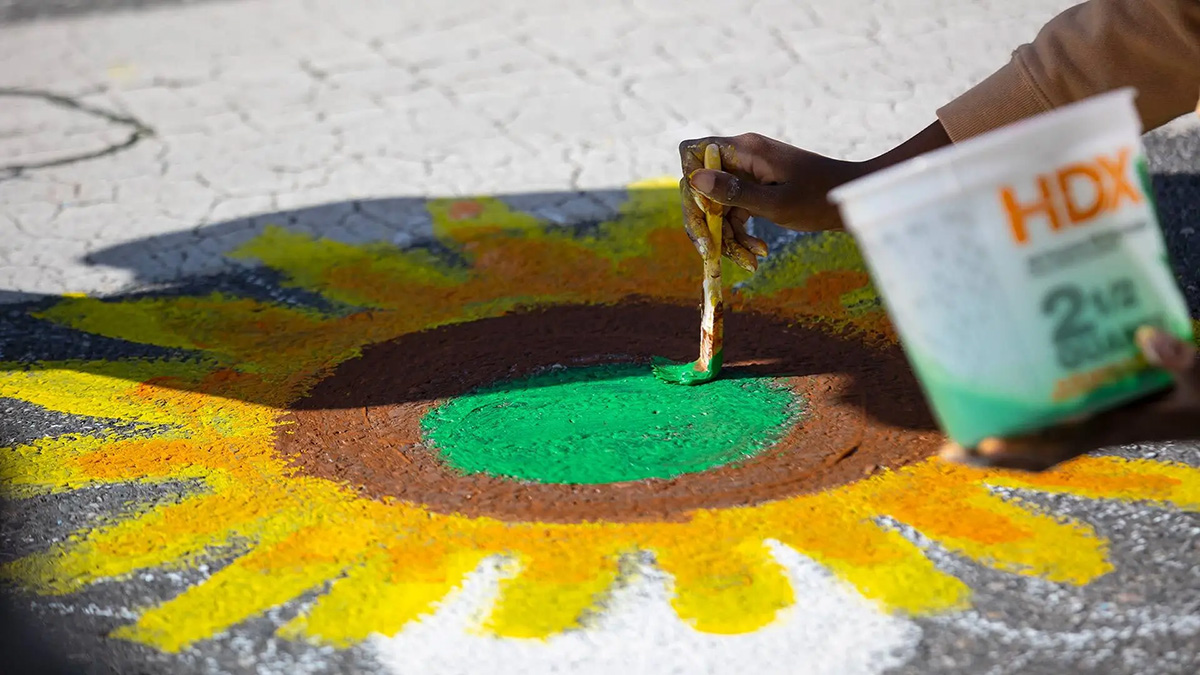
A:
606, 424
686, 373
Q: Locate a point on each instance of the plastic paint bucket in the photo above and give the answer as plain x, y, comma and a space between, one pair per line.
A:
1017, 265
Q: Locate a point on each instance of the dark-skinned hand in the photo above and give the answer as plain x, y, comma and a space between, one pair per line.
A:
1171, 416
786, 185
769, 179
760, 177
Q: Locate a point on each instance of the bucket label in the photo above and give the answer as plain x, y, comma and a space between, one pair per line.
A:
1017, 303
1073, 196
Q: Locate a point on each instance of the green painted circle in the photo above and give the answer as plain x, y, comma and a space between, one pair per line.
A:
606, 424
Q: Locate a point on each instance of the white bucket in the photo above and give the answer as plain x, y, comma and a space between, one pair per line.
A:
1017, 265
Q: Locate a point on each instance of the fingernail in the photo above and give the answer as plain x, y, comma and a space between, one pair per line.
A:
757, 246
990, 447
702, 181
953, 452
1157, 345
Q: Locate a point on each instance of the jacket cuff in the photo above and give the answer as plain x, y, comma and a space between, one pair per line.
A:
1008, 95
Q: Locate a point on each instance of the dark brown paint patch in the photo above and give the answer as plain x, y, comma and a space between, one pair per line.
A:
361, 425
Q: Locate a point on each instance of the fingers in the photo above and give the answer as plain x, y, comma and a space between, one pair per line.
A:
691, 153
1164, 417
1025, 453
1161, 418
1174, 355
736, 244
732, 190
751, 155
1041, 451
705, 196
1165, 350
1136, 422
695, 223
766, 177
738, 218
735, 251
957, 454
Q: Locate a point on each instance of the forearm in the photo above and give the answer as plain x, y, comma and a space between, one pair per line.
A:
930, 138
1098, 46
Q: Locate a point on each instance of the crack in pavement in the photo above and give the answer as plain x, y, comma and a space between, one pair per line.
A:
140, 130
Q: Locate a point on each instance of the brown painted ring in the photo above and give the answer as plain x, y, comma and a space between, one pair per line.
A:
361, 425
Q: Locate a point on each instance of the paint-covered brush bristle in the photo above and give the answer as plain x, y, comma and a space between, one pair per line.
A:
708, 366
686, 373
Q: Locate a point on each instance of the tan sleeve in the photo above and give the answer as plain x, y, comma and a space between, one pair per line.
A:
1100, 45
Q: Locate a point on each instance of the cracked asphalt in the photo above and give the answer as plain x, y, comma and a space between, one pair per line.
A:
141, 140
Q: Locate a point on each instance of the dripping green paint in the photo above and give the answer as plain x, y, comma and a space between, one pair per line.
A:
687, 373
606, 424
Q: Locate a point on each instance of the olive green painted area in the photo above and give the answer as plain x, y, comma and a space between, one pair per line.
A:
688, 373
607, 424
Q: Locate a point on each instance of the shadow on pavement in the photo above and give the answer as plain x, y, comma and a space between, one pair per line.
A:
193, 264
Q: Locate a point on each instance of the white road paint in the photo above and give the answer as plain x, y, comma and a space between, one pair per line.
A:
830, 630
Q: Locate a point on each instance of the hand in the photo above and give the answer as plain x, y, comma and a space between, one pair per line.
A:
1172, 416
773, 180
760, 177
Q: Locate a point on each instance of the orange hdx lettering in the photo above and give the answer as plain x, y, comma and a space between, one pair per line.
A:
1073, 195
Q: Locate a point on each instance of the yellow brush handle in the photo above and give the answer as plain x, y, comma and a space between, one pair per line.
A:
712, 160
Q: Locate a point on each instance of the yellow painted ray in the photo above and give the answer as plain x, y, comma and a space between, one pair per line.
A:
72, 461
724, 582
412, 292
1115, 478
365, 276
180, 394
560, 578
651, 206
225, 403
265, 578
219, 461
45, 466
794, 267
950, 505
106, 389
252, 335
166, 535
459, 220
837, 530
385, 593
650, 210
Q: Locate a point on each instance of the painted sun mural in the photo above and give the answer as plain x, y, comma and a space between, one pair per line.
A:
362, 452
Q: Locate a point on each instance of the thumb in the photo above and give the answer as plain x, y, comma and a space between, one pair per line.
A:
1169, 352
725, 188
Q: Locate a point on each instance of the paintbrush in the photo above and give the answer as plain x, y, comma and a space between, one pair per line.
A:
712, 322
